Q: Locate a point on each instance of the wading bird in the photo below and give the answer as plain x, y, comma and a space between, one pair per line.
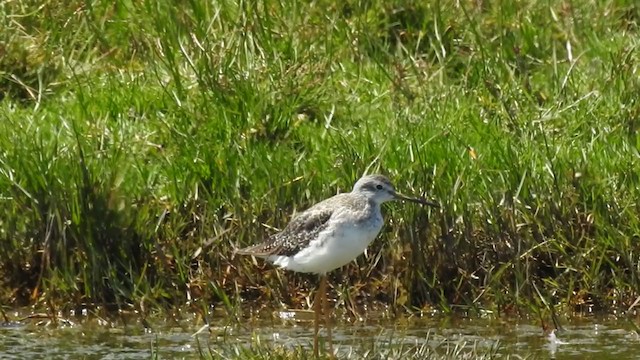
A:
329, 235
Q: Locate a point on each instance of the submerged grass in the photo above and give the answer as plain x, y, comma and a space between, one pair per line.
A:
388, 348
141, 142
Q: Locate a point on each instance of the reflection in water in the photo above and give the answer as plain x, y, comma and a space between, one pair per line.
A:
584, 338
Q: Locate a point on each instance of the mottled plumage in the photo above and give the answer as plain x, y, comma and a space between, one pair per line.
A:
333, 232
297, 235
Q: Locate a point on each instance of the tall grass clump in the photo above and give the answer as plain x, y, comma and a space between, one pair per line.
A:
141, 142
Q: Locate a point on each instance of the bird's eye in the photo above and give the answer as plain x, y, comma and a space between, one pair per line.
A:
379, 187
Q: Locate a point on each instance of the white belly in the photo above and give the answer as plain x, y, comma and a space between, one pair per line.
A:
334, 247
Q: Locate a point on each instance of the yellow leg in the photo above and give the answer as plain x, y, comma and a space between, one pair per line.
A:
316, 324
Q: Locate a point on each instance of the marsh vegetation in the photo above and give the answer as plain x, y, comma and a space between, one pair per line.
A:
142, 141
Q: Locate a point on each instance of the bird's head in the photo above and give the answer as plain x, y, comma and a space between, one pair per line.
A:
379, 189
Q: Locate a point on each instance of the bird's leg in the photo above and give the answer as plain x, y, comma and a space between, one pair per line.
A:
327, 314
316, 324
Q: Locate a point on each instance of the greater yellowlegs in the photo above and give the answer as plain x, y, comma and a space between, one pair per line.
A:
329, 235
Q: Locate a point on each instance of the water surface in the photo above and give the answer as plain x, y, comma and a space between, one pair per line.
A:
580, 338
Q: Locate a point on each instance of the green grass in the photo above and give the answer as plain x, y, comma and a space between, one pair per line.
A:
141, 142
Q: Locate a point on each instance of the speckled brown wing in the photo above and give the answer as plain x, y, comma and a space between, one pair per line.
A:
299, 232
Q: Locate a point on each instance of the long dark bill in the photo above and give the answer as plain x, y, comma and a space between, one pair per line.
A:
417, 200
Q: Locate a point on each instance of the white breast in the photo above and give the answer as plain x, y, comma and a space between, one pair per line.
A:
340, 243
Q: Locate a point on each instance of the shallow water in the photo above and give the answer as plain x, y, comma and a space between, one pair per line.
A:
581, 338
